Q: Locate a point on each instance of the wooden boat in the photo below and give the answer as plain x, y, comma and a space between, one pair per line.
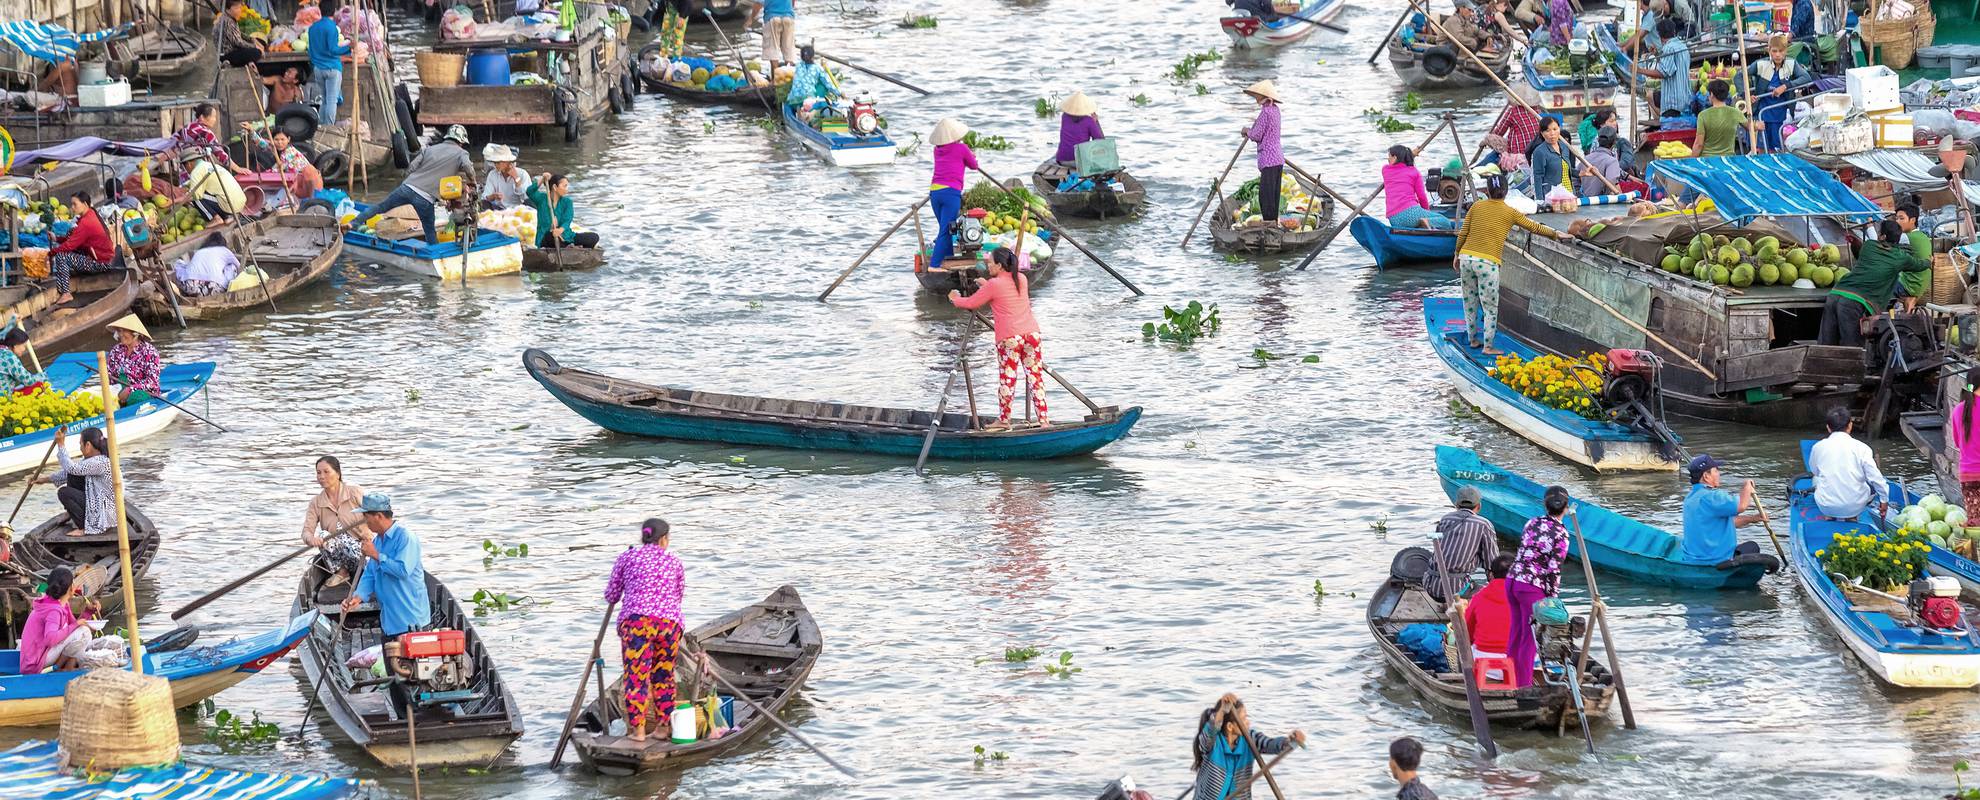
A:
1399, 603
1395, 247
951, 275
1434, 65
1247, 31
1271, 239
493, 253
38, 769
293, 249
765, 649
1577, 94
1879, 632
1597, 444
71, 371
1099, 204
839, 147
100, 297
390, 133
745, 99
1616, 543
168, 54
136, 121
95, 560
660, 412
597, 80
561, 259
195, 674
471, 732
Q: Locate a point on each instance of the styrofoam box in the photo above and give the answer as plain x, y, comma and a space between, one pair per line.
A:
1873, 87
103, 95
1894, 130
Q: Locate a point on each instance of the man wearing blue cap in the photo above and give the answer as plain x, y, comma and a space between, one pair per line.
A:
394, 575
1710, 515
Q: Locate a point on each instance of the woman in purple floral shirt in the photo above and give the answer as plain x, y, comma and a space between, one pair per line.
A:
1535, 576
134, 361
647, 583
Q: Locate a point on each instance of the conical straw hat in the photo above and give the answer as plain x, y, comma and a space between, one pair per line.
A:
131, 323
1265, 89
947, 131
1079, 105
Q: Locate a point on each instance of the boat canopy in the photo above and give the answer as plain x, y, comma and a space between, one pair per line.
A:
34, 769
1745, 188
79, 149
53, 43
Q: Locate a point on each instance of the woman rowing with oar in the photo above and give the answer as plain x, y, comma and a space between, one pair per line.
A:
1225, 748
1271, 158
647, 583
332, 510
1008, 292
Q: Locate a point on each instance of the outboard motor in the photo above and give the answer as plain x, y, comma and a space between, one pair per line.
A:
967, 232
1632, 396
863, 119
1934, 603
433, 665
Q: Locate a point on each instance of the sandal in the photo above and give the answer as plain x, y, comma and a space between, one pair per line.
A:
999, 426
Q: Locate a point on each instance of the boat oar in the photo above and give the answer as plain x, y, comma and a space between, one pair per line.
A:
412, 740
329, 654
245, 579
1216, 188
1044, 221
1449, 119
875, 73
30, 485
1316, 23
1391, 37
1263, 770
1602, 618
912, 210
1050, 373
765, 713
577, 702
1769, 526
753, 88
935, 420
160, 396
1481, 724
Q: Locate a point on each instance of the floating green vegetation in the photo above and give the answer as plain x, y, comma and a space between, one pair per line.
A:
1389, 124
984, 756
487, 602
1020, 655
492, 552
1185, 326
1043, 107
233, 732
1263, 355
986, 142
1380, 526
765, 124
1319, 589
412, 396
1186, 69
908, 149
1411, 102
1961, 792
1063, 669
1140, 100
918, 21
1202, 90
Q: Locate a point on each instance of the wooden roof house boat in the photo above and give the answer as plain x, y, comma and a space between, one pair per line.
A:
1737, 355
586, 76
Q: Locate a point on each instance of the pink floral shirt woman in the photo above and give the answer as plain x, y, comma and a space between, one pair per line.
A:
1542, 548
647, 581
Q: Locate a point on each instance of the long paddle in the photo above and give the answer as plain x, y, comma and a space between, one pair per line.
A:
1481, 724
1216, 188
245, 579
1045, 221
1051, 373
1785, 564
716, 673
1263, 769
875, 73
1602, 618
329, 655
577, 702
912, 210
1336, 232
168, 401
753, 88
1384, 44
935, 420
30, 485
1315, 23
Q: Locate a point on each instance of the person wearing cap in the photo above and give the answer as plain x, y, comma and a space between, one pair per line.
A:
133, 361
1847, 479
1264, 130
1711, 515
15, 378
421, 188
506, 185
1079, 123
952, 157
87, 248
1481, 243
1772, 79
394, 576
1535, 576
83, 485
1464, 545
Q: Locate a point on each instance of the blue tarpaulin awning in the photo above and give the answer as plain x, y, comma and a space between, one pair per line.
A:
52, 42
1771, 185
32, 770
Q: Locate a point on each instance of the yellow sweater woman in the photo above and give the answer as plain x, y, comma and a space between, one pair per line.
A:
1481, 243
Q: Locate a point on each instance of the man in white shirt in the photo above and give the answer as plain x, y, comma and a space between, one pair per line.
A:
1846, 474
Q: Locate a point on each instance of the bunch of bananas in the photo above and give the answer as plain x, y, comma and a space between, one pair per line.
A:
1673, 150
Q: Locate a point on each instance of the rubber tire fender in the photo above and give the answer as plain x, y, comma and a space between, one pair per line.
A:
1440, 61
300, 120
573, 127
616, 98
315, 203
401, 152
333, 164
402, 107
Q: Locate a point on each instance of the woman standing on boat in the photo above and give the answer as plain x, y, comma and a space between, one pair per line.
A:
134, 361
1008, 292
1402, 189
1271, 158
1481, 243
14, 375
945, 189
1964, 424
333, 509
1535, 576
647, 583
1079, 123
1226, 747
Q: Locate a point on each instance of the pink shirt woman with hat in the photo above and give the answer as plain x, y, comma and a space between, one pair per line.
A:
134, 361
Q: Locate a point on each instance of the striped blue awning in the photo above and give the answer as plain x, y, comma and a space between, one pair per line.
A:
52, 42
30, 771
1771, 185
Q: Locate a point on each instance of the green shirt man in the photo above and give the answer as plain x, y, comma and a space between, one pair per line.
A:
1914, 285
1718, 130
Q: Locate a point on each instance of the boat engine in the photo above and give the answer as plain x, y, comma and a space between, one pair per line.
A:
967, 232
863, 119
433, 665
1934, 603
1632, 396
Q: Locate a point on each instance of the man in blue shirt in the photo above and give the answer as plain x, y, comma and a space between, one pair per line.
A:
1673, 68
394, 575
1710, 515
326, 64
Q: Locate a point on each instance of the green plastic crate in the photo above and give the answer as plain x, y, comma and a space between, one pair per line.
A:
1096, 157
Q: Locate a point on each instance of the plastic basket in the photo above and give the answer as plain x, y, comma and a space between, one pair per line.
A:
440, 70
1096, 157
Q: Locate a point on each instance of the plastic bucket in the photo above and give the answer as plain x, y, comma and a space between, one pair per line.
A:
94, 72
683, 723
488, 68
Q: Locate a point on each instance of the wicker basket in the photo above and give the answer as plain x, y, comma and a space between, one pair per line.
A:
1927, 28
113, 719
1948, 286
440, 70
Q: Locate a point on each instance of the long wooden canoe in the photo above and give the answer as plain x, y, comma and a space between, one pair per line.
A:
293, 249
562, 259
472, 732
95, 560
1099, 203
1272, 238
100, 297
660, 412
765, 649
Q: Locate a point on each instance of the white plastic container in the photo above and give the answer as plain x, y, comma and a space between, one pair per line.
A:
104, 95
1873, 87
683, 723
1894, 130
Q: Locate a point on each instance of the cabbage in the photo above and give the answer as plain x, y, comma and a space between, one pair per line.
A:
1934, 505
1955, 516
1939, 530
1914, 517
1939, 540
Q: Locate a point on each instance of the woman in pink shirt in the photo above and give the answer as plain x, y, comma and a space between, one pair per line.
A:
945, 189
53, 638
1402, 188
647, 583
1009, 294
1964, 422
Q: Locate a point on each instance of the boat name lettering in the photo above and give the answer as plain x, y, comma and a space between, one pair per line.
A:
1476, 477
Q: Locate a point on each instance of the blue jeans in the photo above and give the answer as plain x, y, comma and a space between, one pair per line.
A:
947, 205
402, 196
329, 85
1414, 217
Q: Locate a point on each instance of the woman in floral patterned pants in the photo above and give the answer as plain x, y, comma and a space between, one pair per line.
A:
1008, 293
647, 582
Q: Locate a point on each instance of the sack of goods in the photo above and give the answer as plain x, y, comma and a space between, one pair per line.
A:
518, 223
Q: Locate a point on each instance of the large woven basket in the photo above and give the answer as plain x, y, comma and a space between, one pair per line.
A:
1926, 28
1948, 287
113, 719
440, 70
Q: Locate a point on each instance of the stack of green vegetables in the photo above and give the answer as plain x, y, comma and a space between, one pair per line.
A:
987, 196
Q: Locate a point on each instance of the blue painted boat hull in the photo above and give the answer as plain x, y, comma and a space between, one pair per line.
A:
845, 150
637, 410
72, 371
1392, 248
196, 673
1616, 543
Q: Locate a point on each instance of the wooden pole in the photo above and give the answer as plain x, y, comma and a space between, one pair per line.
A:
1602, 618
577, 701
912, 210
1380, 46
1067, 237
1216, 190
935, 420
1049, 372
1745, 77
1613, 312
123, 523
